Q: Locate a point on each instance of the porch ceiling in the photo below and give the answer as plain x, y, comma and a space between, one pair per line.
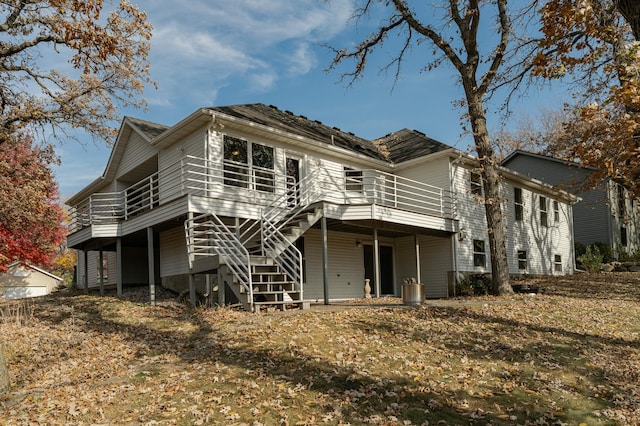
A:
385, 229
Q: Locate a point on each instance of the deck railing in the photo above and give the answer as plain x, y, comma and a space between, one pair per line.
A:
228, 180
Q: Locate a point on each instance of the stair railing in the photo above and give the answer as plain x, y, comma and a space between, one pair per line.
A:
212, 237
296, 198
284, 254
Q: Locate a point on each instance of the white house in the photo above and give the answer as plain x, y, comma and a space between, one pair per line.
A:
276, 208
22, 280
605, 214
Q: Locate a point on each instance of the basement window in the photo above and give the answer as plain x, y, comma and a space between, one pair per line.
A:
522, 260
479, 254
557, 263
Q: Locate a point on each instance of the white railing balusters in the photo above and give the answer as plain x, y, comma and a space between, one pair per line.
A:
209, 178
207, 235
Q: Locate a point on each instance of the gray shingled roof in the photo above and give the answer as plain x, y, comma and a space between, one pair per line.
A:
395, 147
408, 144
271, 116
151, 130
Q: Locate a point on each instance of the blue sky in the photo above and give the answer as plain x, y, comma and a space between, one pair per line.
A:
213, 53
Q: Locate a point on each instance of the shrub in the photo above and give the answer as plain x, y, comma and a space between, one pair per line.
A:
606, 251
591, 259
474, 285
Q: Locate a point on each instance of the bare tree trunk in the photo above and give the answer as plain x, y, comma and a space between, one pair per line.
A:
5, 383
630, 9
492, 199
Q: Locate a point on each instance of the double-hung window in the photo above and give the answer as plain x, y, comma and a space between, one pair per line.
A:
522, 260
476, 184
353, 179
248, 165
557, 263
622, 204
556, 212
544, 219
518, 204
479, 254
262, 167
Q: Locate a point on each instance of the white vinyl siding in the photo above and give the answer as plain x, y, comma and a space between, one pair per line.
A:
541, 243
136, 152
345, 266
170, 180
436, 261
92, 261
435, 172
173, 253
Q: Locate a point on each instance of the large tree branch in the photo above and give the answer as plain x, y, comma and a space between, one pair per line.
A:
501, 49
362, 51
14, 49
11, 20
428, 32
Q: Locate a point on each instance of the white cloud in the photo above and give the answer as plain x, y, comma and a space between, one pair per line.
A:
224, 43
302, 60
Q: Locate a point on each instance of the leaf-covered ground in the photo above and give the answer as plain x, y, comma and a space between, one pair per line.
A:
570, 355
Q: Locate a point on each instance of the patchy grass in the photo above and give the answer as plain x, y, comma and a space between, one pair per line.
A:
570, 355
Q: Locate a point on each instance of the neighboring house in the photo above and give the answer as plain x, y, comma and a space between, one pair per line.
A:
23, 280
606, 214
279, 209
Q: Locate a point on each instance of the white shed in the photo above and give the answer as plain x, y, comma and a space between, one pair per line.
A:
24, 280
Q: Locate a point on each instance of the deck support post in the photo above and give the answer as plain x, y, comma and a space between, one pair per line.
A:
417, 244
192, 290
376, 261
101, 271
119, 266
152, 266
222, 288
86, 271
208, 289
325, 259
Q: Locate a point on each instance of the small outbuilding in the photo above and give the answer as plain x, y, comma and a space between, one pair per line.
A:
24, 280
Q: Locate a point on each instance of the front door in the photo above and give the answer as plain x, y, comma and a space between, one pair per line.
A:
386, 268
293, 178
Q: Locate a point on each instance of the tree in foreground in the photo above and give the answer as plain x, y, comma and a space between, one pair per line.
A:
31, 218
69, 64
598, 42
448, 31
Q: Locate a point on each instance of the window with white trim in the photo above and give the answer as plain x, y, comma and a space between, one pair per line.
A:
518, 203
556, 212
622, 203
353, 180
476, 183
522, 260
557, 263
248, 165
544, 219
479, 253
